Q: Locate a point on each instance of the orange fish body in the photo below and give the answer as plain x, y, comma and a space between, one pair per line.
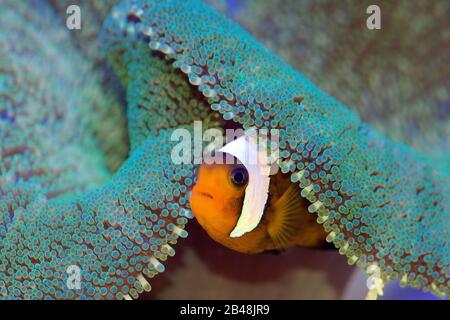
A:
217, 199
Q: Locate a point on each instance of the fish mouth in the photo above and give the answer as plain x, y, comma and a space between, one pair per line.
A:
202, 194
203, 191
205, 195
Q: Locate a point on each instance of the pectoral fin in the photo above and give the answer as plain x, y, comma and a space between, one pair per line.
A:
291, 224
285, 217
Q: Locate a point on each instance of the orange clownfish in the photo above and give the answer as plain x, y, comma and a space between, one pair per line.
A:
218, 199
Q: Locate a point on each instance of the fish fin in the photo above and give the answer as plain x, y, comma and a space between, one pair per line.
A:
286, 217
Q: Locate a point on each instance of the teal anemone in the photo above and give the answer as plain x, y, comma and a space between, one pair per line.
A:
381, 203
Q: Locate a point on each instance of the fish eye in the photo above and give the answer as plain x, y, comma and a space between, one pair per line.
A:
239, 176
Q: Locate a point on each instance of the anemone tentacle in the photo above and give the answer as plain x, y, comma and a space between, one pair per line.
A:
60, 205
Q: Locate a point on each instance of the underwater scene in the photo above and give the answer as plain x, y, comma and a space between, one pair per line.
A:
224, 150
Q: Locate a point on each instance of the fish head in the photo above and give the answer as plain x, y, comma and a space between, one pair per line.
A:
216, 201
217, 197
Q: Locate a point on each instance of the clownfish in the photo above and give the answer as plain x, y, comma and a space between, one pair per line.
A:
223, 198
